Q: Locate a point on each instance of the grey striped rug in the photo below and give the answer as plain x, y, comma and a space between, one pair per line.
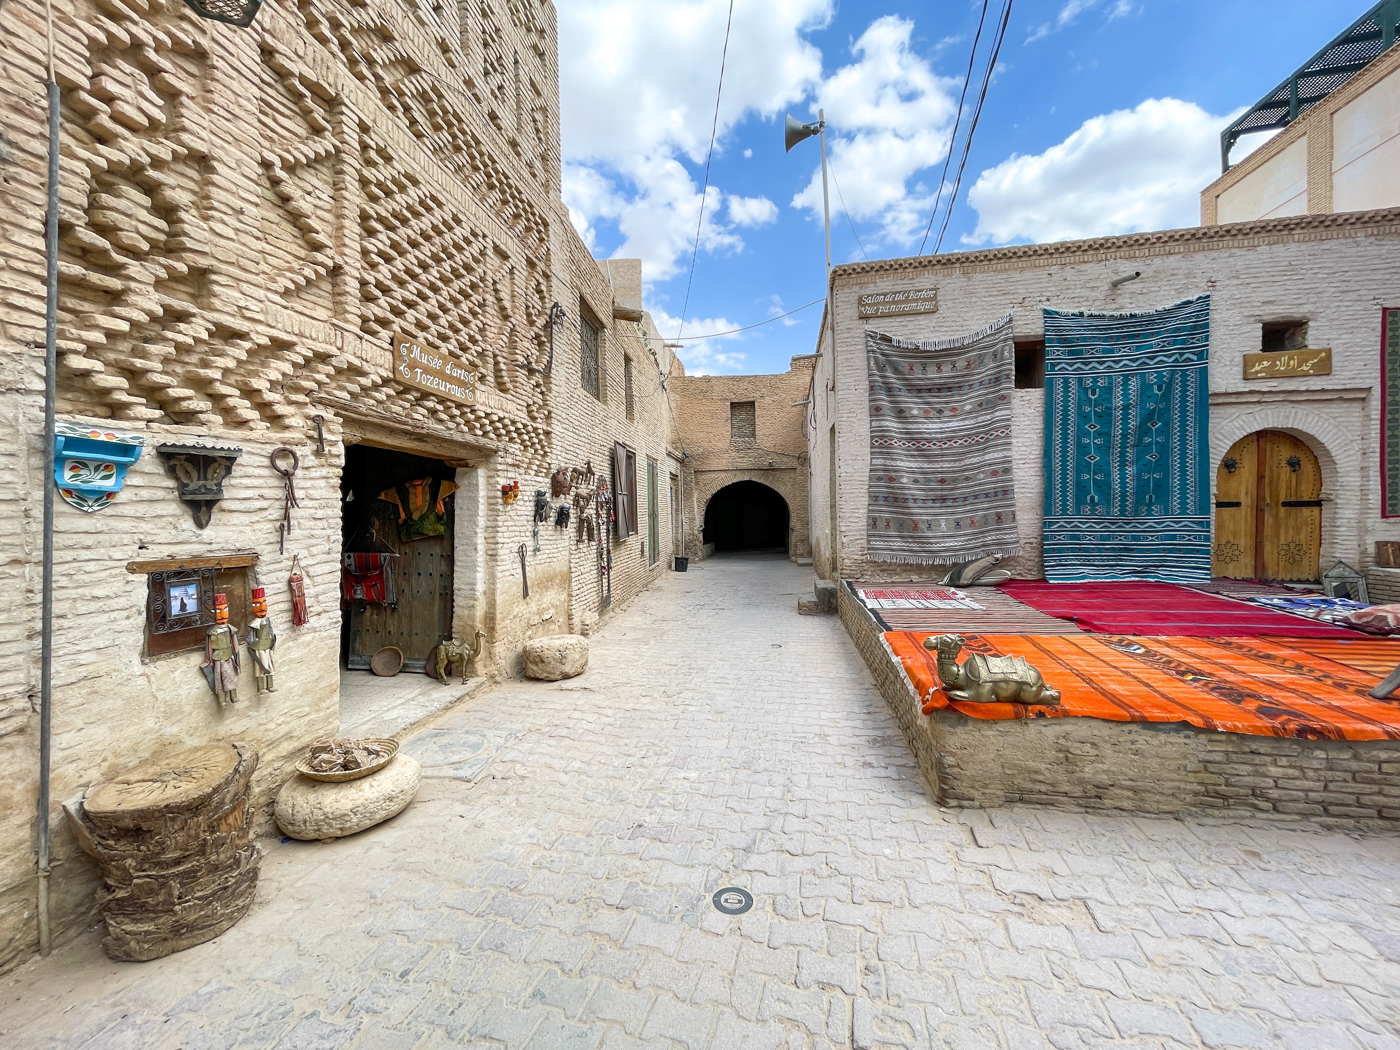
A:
940, 447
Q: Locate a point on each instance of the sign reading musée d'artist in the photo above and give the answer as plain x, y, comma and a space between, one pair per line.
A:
892, 304
436, 373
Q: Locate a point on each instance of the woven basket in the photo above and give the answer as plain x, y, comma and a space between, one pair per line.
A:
304, 766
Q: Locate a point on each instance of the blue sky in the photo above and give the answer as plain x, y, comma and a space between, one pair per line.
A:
1103, 117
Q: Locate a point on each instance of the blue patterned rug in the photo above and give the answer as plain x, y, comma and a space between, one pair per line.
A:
940, 448
1127, 449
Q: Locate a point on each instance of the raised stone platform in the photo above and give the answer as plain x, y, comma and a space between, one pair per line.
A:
1093, 764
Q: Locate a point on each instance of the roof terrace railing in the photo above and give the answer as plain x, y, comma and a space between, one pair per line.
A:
1366, 39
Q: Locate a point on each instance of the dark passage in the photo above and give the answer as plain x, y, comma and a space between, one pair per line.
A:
746, 516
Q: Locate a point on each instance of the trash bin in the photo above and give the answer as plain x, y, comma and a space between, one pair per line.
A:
682, 564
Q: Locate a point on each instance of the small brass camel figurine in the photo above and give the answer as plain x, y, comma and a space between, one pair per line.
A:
450, 653
988, 679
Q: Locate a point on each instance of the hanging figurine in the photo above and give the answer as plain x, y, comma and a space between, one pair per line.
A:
262, 639
541, 507
561, 517
221, 665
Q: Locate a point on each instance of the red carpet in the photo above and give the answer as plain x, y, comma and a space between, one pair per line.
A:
1162, 609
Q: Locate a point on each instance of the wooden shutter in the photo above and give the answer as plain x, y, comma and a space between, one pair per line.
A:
625, 490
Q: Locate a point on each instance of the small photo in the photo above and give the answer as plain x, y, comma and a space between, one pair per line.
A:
184, 598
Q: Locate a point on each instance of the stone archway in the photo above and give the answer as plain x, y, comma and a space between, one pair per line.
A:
747, 515
1330, 440
791, 485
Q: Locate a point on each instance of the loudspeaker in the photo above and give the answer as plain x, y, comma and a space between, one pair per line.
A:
794, 131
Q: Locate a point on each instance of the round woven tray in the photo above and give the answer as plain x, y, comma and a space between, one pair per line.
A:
304, 766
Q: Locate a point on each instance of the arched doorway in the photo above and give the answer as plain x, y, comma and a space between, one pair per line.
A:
746, 516
1268, 509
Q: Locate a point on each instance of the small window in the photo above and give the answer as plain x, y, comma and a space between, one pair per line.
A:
589, 340
1030, 364
1284, 335
624, 491
180, 604
627, 386
743, 424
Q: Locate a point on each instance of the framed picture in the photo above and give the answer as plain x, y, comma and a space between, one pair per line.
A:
180, 600
183, 598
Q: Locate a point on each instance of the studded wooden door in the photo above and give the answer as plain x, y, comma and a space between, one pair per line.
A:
1268, 510
422, 616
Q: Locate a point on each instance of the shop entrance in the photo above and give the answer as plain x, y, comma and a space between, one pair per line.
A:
1268, 509
746, 516
397, 522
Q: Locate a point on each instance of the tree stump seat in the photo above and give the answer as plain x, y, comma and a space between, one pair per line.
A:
173, 839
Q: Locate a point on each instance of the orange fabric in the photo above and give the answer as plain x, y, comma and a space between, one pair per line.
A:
1309, 688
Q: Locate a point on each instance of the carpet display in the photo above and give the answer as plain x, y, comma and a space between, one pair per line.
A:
940, 447
1161, 608
1390, 413
1127, 485
995, 612
1257, 686
915, 598
1313, 606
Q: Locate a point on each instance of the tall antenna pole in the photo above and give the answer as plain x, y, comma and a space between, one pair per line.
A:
826, 197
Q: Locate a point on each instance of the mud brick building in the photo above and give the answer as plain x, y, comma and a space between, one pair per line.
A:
258, 226
746, 460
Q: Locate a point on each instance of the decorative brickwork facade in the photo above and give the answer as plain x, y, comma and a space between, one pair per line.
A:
249, 220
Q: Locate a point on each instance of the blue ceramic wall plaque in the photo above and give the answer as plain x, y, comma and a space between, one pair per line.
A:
90, 463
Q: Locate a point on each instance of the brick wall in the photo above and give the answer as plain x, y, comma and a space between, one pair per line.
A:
776, 457
1092, 764
1333, 271
248, 218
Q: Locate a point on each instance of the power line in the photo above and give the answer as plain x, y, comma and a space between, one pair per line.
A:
957, 121
704, 190
760, 324
972, 127
842, 199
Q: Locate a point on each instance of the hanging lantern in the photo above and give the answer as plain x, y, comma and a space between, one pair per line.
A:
234, 12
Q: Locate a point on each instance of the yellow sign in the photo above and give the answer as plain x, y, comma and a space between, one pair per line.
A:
1280, 363
892, 304
434, 372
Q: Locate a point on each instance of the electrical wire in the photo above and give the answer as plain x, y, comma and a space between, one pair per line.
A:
704, 190
847, 212
972, 126
957, 121
759, 324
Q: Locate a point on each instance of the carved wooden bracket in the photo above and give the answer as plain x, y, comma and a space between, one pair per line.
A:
199, 471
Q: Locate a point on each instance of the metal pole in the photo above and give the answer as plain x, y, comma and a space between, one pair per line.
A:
46, 612
826, 198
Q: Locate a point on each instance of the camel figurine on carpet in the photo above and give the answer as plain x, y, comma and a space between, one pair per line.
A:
988, 679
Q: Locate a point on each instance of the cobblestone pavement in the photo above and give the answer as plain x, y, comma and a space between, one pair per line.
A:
550, 889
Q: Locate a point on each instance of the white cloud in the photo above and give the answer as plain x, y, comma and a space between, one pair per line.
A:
703, 357
1071, 11
888, 118
1123, 172
752, 211
629, 111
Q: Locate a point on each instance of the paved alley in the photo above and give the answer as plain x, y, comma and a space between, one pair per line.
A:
551, 887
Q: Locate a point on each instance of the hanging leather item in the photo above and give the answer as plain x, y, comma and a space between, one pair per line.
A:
559, 484
297, 586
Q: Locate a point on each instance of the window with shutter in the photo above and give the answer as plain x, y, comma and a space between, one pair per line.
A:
625, 490
588, 354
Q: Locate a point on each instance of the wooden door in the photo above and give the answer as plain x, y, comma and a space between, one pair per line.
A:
1291, 538
1268, 509
423, 585
1236, 487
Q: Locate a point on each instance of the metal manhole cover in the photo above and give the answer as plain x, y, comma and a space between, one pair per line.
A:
732, 900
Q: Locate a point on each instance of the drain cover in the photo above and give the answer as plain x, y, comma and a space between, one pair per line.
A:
732, 900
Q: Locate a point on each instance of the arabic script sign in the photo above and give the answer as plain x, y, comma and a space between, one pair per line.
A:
431, 371
1281, 363
891, 304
